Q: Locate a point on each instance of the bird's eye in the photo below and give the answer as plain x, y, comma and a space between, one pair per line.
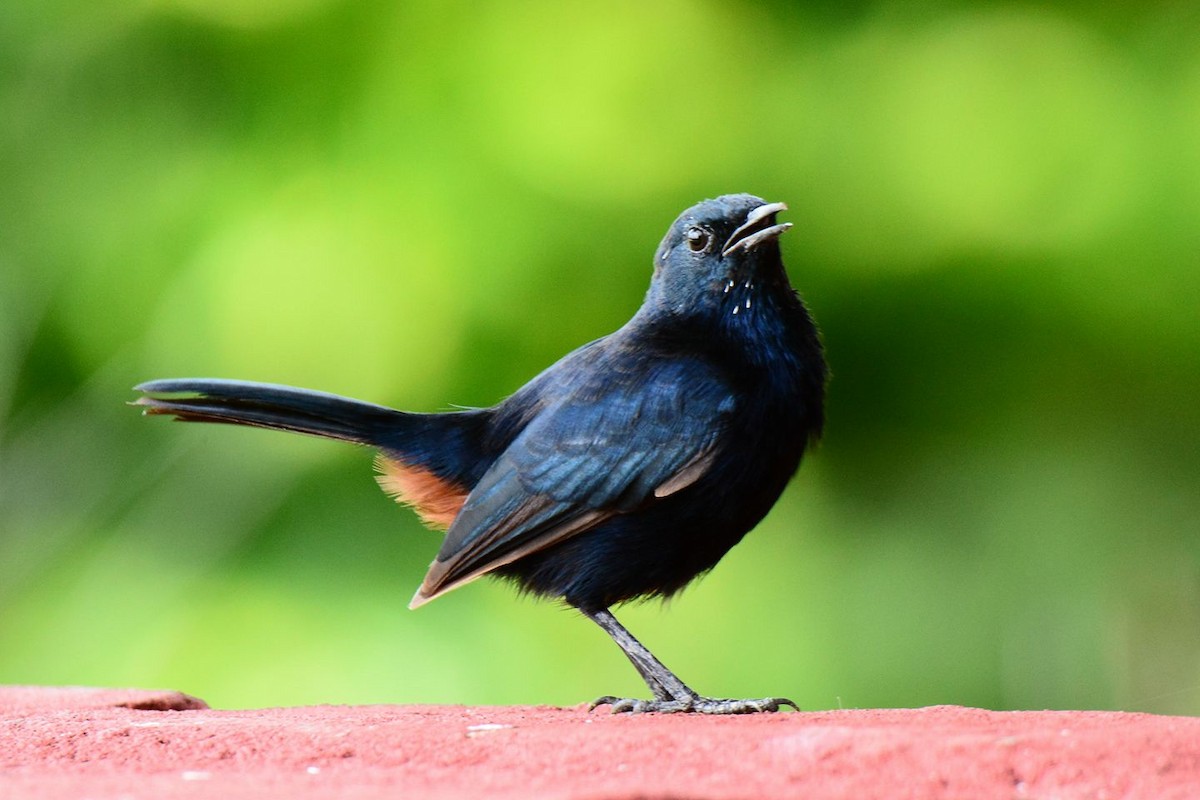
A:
697, 239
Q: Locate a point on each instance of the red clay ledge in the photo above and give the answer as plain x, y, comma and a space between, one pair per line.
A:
106, 743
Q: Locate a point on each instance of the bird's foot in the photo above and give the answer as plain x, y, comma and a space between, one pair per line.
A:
691, 705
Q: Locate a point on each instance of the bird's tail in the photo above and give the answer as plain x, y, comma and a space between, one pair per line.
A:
266, 405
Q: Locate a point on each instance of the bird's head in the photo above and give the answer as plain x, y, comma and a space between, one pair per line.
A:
718, 256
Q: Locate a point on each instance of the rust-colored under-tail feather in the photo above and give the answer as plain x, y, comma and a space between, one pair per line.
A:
436, 501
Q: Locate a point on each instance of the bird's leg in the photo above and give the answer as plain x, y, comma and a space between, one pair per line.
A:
663, 683
671, 695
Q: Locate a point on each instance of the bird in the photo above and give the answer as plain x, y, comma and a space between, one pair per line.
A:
623, 471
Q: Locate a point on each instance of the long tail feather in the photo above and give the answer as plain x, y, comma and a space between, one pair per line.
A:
267, 405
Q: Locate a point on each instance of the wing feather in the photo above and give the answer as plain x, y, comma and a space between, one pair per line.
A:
599, 449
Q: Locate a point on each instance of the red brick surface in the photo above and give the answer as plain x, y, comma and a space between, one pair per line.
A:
75, 743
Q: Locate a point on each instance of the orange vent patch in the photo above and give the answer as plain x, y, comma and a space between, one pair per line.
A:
436, 501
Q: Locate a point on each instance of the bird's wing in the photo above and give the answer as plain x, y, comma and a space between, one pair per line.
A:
604, 448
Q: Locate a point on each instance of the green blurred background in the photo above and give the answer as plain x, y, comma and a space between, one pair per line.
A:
997, 211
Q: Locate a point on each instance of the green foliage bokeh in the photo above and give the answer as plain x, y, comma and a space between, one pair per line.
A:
997, 211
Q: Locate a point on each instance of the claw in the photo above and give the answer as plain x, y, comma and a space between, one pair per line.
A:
606, 700
697, 705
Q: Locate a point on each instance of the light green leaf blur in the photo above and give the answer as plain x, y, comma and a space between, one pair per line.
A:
997, 224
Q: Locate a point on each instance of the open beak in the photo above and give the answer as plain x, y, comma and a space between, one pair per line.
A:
756, 229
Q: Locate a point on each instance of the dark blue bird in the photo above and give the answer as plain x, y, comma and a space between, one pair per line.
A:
626, 469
